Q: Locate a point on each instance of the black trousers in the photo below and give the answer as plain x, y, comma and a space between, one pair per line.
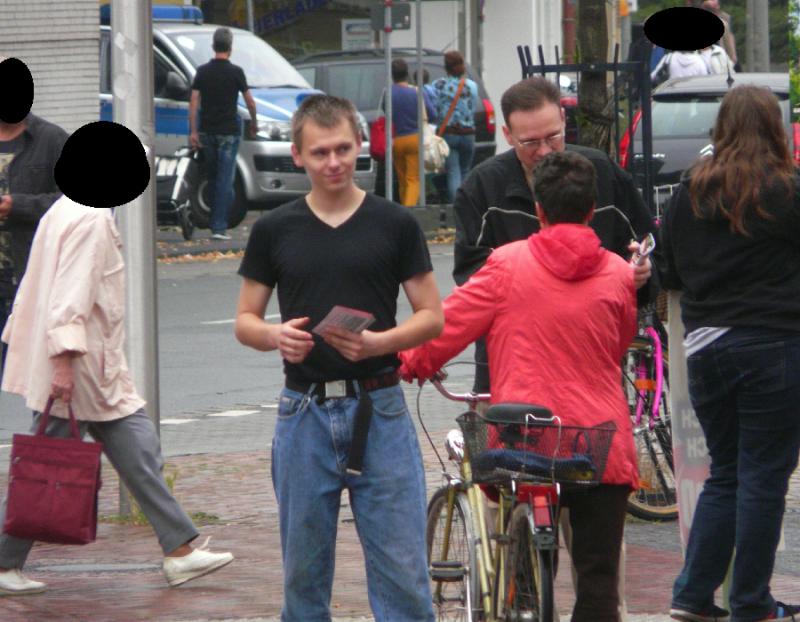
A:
597, 518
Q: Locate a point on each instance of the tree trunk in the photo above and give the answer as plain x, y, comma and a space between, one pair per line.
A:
595, 116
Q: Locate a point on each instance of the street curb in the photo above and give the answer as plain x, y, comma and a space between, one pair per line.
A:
170, 244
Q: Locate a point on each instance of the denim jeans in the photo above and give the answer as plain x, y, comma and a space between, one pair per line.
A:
309, 456
458, 163
745, 389
220, 160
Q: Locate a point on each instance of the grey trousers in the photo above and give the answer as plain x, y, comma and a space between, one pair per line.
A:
133, 448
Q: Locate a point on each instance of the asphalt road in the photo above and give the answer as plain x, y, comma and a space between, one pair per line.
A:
215, 394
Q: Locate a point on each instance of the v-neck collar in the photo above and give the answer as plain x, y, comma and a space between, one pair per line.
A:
341, 224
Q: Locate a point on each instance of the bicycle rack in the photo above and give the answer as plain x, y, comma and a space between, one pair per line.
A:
635, 80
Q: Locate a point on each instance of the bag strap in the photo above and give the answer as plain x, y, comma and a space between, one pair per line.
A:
73, 423
440, 131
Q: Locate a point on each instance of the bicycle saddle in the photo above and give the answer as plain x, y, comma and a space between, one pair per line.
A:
516, 413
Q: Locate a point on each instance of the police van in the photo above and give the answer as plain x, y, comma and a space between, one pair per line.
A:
265, 172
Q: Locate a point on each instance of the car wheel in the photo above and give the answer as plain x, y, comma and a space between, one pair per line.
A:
201, 210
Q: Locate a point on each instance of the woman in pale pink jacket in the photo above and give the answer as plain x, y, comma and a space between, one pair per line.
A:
65, 340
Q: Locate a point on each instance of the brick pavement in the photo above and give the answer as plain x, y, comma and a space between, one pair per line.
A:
118, 578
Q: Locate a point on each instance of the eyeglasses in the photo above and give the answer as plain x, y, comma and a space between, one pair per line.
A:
536, 144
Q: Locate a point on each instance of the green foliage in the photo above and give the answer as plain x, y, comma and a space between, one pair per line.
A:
794, 57
138, 519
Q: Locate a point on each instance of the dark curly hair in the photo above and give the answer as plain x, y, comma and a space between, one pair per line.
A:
565, 184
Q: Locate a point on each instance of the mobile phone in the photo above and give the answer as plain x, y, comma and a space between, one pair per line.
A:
646, 247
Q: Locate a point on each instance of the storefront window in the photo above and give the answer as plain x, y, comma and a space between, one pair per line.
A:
297, 27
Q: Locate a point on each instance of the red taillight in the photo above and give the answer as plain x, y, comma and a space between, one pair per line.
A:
569, 101
490, 126
541, 512
796, 143
625, 141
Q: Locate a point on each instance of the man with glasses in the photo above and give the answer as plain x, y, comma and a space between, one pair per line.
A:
494, 205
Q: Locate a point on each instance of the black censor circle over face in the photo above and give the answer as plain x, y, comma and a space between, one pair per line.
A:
17, 97
102, 164
684, 29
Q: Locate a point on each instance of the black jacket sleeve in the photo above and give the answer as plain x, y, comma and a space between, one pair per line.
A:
630, 201
469, 208
663, 256
39, 189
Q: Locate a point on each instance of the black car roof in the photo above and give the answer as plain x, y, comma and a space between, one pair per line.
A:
717, 83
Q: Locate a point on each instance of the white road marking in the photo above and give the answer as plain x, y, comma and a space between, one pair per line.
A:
234, 413
268, 406
274, 316
4, 446
176, 421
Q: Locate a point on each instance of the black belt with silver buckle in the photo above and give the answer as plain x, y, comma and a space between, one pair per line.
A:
343, 388
347, 388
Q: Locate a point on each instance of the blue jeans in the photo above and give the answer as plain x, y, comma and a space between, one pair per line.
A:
458, 163
220, 160
745, 389
309, 456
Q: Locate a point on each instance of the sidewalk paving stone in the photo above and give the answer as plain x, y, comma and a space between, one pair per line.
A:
118, 578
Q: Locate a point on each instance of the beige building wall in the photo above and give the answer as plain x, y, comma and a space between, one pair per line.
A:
59, 41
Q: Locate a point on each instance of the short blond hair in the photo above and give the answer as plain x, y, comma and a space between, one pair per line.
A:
326, 111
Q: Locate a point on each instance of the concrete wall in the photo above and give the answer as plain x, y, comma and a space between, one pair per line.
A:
439, 27
510, 23
59, 42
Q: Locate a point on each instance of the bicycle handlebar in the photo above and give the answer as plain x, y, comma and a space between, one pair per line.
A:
468, 397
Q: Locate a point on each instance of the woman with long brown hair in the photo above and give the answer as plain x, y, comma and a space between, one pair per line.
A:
731, 243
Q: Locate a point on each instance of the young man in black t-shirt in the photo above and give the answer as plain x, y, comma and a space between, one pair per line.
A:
342, 418
215, 92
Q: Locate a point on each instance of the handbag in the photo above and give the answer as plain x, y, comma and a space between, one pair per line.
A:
377, 139
53, 486
377, 133
436, 149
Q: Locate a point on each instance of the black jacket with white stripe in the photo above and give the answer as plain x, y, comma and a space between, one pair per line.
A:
494, 206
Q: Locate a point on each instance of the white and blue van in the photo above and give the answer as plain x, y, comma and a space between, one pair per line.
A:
266, 175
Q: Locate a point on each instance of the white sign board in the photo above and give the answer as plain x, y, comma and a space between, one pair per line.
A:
357, 34
688, 441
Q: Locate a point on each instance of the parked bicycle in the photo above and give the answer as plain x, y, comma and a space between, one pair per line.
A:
521, 455
646, 382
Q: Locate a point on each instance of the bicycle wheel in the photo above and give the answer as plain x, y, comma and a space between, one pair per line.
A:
450, 602
656, 498
529, 573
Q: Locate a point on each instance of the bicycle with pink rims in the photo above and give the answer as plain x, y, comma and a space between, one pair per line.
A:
646, 382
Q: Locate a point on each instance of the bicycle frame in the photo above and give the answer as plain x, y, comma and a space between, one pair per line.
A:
486, 570
543, 500
644, 383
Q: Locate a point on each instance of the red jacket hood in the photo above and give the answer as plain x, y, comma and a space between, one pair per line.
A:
570, 252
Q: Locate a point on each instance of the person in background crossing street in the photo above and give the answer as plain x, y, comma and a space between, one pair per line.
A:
215, 92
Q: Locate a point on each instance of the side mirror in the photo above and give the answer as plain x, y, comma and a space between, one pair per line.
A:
177, 87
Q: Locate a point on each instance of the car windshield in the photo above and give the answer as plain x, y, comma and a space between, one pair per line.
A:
691, 116
262, 65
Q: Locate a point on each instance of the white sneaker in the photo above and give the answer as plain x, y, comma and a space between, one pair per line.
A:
220, 236
196, 564
13, 582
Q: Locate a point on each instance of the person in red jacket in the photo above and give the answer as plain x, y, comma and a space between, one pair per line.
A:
558, 312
